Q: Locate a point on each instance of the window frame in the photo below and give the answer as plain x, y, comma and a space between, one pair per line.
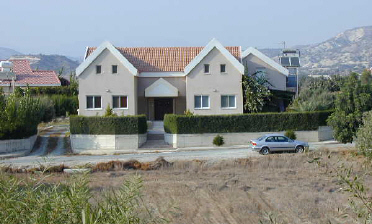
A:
119, 108
100, 69
94, 102
228, 101
224, 68
201, 102
112, 69
209, 69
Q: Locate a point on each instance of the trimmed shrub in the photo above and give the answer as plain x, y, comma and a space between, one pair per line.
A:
260, 122
290, 134
97, 125
54, 90
218, 140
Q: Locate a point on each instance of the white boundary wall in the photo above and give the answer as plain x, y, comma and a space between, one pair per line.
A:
106, 143
14, 145
243, 138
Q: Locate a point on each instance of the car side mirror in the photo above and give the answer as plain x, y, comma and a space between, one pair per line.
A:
290, 140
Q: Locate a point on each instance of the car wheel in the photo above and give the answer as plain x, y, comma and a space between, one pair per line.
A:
299, 149
265, 151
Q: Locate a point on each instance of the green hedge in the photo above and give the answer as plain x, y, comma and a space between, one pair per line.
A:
261, 122
54, 90
123, 125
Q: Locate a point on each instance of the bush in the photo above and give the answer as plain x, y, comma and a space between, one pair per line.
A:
290, 134
364, 135
97, 125
65, 104
218, 140
48, 107
34, 201
261, 122
20, 117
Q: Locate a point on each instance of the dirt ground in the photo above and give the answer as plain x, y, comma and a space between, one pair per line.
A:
278, 188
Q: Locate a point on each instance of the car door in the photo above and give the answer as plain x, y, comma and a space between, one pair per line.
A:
282, 143
291, 144
270, 142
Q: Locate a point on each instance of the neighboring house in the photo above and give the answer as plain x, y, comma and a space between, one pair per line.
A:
255, 61
18, 73
160, 80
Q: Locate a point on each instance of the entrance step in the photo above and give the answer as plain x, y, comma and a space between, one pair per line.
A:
155, 137
155, 144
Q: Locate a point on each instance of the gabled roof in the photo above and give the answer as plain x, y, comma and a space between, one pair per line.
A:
210, 46
153, 60
105, 45
26, 76
266, 59
161, 88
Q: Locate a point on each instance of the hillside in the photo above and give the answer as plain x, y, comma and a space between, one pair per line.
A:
5, 53
350, 50
50, 62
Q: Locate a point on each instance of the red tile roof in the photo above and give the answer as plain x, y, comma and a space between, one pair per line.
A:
25, 75
162, 59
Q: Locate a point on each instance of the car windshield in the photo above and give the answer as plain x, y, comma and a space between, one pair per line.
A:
261, 138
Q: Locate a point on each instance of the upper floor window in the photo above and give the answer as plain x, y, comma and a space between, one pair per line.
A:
201, 102
114, 69
228, 101
94, 102
120, 102
223, 68
206, 68
98, 69
260, 72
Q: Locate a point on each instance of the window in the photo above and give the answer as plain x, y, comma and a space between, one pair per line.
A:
281, 139
94, 102
114, 69
120, 102
201, 102
260, 72
98, 69
223, 68
270, 139
228, 101
206, 68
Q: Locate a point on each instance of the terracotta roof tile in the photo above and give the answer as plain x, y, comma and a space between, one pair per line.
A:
162, 59
25, 75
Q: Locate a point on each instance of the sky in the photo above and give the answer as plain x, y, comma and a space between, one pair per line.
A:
67, 26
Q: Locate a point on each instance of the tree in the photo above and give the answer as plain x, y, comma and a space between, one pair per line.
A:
366, 77
351, 102
255, 91
364, 135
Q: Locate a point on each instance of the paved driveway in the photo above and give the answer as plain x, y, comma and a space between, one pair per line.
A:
211, 155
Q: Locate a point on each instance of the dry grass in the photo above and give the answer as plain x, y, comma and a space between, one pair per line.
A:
287, 188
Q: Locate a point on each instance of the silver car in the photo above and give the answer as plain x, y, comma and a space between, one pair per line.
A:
277, 142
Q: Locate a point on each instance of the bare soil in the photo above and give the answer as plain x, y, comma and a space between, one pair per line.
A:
278, 188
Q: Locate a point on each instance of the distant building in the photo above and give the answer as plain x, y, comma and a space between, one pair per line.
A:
18, 73
290, 59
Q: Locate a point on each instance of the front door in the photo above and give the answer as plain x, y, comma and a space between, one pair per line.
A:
162, 106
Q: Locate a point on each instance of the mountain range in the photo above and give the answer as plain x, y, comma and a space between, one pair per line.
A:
348, 51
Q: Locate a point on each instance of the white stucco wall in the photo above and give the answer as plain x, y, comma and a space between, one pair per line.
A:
214, 85
277, 79
101, 144
14, 145
107, 85
243, 138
